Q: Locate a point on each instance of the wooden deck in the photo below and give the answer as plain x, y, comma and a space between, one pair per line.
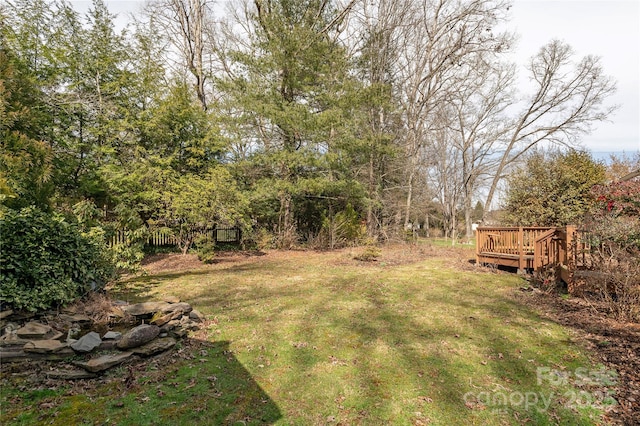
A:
534, 249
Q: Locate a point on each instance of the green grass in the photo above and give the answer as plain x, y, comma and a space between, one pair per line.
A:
309, 338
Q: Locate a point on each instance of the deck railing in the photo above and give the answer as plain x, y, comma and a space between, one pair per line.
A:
561, 251
508, 246
536, 248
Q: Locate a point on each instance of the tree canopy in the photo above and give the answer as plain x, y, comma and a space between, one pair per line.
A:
281, 117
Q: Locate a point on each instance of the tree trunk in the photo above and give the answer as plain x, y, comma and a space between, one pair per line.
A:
468, 211
407, 211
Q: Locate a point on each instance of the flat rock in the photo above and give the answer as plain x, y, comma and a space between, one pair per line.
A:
87, 343
20, 355
4, 314
171, 299
112, 335
138, 336
181, 307
196, 316
108, 345
33, 330
161, 320
12, 340
44, 346
79, 318
146, 308
104, 362
70, 374
155, 346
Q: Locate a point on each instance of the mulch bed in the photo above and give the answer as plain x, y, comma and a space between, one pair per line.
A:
613, 343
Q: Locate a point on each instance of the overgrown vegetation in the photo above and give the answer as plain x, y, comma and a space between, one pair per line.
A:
614, 229
562, 188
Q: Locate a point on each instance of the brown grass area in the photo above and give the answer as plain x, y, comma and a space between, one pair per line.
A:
392, 255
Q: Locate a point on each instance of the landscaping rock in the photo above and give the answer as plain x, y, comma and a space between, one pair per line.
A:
20, 355
108, 345
196, 316
104, 362
155, 346
70, 375
42, 339
33, 330
138, 336
146, 308
181, 307
44, 346
87, 343
79, 318
112, 335
12, 340
161, 320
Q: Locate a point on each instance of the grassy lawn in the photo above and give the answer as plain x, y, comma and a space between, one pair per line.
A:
319, 338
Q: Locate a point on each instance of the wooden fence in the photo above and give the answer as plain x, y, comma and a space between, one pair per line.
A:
166, 237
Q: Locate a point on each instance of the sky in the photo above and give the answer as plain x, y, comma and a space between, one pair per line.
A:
609, 29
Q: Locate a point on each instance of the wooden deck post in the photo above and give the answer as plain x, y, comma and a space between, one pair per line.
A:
570, 257
521, 264
479, 243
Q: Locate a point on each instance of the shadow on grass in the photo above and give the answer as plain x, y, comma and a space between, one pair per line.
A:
359, 348
201, 383
210, 386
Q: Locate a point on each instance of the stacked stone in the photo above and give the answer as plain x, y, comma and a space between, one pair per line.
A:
159, 325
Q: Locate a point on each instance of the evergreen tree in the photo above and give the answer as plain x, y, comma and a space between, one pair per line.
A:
287, 93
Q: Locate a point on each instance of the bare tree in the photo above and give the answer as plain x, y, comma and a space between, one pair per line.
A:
444, 35
478, 121
185, 22
567, 101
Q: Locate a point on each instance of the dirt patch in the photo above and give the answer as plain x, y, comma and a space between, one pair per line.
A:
613, 343
176, 262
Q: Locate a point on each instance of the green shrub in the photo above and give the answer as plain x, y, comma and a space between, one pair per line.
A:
344, 229
46, 261
205, 247
127, 248
369, 254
